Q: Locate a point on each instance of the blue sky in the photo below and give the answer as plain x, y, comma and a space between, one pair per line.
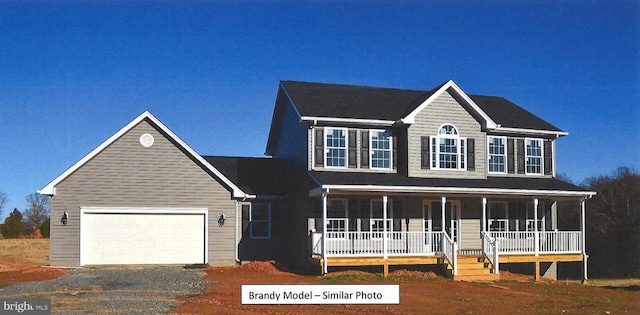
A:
73, 73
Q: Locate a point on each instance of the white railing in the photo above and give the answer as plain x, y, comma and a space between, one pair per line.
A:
560, 242
371, 243
449, 252
550, 242
491, 250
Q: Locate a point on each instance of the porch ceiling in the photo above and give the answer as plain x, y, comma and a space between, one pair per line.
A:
376, 183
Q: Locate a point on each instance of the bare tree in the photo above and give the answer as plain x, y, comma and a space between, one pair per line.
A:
3, 201
37, 211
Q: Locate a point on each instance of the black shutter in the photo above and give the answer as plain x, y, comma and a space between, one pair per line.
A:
471, 155
365, 214
395, 152
425, 145
353, 149
521, 151
397, 215
319, 147
510, 157
364, 149
548, 162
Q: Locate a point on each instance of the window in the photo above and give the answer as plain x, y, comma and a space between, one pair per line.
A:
377, 218
336, 147
498, 220
337, 219
533, 156
497, 154
448, 149
380, 149
260, 221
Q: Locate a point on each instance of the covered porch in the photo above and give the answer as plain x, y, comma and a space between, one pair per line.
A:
459, 230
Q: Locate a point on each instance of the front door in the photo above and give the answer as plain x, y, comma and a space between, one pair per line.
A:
432, 213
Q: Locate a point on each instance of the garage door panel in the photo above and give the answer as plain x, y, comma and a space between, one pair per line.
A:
143, 238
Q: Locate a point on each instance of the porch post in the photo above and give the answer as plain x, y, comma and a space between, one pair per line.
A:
583, 242
443, 203
385, 237
536, 236
324, 233
484, 214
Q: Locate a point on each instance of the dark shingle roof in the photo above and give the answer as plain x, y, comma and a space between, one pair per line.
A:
508, 114
256, 176
361, 102
350, 101
517, 183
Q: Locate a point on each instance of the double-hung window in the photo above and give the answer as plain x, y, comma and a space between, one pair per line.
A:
381, 145
260, 221
337, 219
497, 154
533, 156
335, 147
448, 149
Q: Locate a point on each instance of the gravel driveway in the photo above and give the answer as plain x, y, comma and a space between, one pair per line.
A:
149, 290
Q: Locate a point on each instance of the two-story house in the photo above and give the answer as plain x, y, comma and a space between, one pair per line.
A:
355, 176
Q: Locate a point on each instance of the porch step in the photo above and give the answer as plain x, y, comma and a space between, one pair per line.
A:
472, 268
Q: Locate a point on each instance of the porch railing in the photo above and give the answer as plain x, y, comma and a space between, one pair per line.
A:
560, 242
368, 243
450, 252
554, 242
491, 250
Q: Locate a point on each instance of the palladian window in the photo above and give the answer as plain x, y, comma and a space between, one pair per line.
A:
448, 149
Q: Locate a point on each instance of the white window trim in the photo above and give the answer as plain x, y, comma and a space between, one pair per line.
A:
461, 154
371, 150
327, 148
268, 220
344, 232
527, 156
504, 141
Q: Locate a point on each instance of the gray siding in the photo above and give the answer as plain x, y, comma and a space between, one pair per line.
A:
125, 174
445, 109
292, 138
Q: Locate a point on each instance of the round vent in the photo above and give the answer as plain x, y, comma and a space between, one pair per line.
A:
146, 140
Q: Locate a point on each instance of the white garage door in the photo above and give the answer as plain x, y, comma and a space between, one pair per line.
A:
112, 236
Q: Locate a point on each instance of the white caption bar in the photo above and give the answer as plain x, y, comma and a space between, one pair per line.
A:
321, 294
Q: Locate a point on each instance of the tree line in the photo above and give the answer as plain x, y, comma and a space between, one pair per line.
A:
34, 218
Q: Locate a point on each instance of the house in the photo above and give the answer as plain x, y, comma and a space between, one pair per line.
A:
354, 176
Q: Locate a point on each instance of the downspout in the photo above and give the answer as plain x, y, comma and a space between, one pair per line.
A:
583, 241
324, 232
236, 231
536, 236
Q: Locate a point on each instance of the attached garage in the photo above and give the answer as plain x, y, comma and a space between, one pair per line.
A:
130, 236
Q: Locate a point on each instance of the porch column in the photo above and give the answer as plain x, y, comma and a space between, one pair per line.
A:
583, 242
385, 237
484, 214
536, 236
443, 203
324, 232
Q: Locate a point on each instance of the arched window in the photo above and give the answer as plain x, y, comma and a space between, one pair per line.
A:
448, 149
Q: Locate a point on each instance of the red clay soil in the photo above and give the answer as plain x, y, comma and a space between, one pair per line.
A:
28, 274
420, 293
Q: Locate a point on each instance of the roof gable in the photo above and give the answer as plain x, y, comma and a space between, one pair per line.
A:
50, 190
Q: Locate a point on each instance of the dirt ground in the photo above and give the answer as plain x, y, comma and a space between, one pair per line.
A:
21, 260
420, 292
